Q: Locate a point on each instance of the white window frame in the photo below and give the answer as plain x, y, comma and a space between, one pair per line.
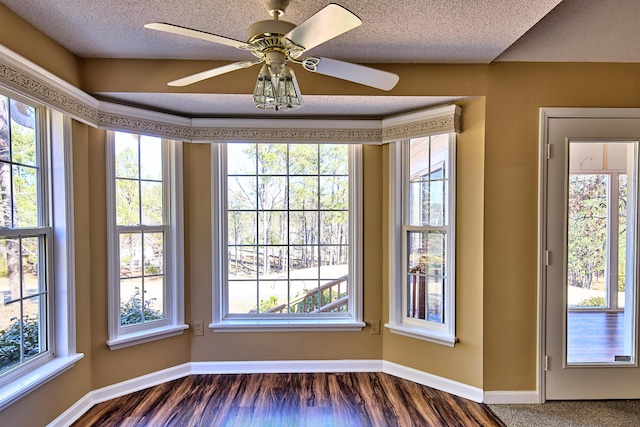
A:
399, 322
173, 322
224, 322
57, 170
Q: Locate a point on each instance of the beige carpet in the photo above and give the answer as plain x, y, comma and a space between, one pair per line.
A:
604, 413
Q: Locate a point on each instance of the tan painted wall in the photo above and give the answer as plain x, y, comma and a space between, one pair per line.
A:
28, 41
463, 362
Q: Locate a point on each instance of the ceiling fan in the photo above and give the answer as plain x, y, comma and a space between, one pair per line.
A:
278, 43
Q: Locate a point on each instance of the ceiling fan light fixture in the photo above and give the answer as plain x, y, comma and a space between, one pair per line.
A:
287, 92
264, 93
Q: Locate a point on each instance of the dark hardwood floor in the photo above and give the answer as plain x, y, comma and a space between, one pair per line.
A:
314, 399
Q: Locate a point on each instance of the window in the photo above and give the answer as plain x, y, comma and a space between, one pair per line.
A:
37, 323
288, 233
24, 237
423, 303
145, 240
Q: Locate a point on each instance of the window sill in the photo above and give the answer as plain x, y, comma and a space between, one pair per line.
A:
287, 325
15, 389
128, 340
422, 334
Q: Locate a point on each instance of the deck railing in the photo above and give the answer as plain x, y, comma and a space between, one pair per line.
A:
330, 297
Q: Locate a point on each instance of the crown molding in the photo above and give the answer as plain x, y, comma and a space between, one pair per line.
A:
421, 123
25, 77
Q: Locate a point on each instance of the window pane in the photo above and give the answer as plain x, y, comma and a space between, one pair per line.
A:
273, 228
126, 152
241, 159
150, 158
33, 337
31, 283
6, 201
272, 159
334, 159
243, 262
334, 192
5, 154
153, 298
130, 255
25, 196
23, 134
242, 297
303, 193
272, 193
10, 269
334, 261
152, 208
127, 202
334, 227
304, 262
242, 228
241, 193
303, 229
153, 254
131, 301
303, 159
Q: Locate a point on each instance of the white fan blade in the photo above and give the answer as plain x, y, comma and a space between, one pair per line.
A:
183, 31
352, 72
328, 23
194, 78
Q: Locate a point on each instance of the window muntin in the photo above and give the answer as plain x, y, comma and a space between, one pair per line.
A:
287, 204
25, 332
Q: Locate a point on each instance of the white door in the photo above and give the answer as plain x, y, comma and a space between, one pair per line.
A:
590, 281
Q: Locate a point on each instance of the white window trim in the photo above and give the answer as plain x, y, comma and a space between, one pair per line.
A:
247, 323
57, 128
173, 324
443, 334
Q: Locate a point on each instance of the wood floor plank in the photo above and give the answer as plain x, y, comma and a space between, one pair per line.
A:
312, 399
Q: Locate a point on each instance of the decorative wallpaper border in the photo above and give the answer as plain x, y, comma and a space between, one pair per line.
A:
25, 77
287, 134
428, 127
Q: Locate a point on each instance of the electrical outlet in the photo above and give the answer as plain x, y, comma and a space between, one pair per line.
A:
375, 327
198, 327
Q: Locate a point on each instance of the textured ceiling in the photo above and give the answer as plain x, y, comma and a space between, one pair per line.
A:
393, 31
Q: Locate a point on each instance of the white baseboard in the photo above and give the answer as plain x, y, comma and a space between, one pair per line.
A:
434, 381
119, 389
286, 366
511, 397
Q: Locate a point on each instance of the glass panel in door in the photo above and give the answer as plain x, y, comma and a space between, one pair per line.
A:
601, 245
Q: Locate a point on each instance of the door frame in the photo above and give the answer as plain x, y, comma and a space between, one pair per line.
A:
546, 114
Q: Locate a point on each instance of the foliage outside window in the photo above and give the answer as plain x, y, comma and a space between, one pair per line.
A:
24, 232
590, 200
289, 231
142, 285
